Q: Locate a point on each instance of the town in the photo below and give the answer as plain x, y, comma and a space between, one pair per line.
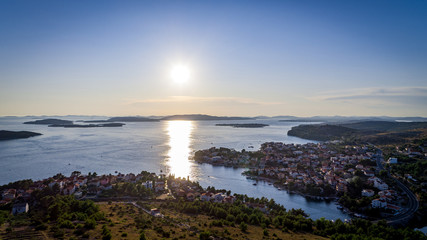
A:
151, 206
325, 171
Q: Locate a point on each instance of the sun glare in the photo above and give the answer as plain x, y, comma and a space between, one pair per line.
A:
179, 142
180, 73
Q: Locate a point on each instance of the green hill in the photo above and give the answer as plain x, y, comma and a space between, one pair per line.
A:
378, 132
385, 126
321, 132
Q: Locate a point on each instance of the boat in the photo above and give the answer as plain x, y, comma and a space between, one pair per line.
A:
254, 184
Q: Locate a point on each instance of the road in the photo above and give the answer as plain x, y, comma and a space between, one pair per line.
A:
413, 204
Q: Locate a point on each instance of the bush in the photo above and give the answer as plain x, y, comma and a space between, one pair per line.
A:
66, 224
106, 233
90, 223
142, 236
204, 235
243, 227
265, 232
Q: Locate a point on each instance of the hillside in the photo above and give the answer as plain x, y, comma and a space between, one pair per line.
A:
377, 132
385, 126
320, 132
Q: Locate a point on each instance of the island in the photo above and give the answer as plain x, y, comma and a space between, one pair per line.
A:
9, 135
49, 121
87, 125
201, 117
132, 119
242, 125
123, 119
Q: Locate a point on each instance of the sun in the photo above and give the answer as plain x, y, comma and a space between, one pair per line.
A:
180, 73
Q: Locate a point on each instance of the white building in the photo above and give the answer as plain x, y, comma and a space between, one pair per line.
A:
205, 197
20, 208
218, 197
148, 184
392, 160
378, 203
368, 193
381, 185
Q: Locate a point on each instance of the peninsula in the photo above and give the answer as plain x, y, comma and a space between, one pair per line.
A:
376, 132
9, 135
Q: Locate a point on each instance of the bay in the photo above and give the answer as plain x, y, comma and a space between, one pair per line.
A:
165, 146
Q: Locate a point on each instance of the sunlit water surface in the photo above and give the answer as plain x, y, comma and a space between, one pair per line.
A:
179, 133
153, 146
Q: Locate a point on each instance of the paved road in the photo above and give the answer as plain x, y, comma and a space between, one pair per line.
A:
413, 203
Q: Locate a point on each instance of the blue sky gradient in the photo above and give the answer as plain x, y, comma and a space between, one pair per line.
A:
246, 58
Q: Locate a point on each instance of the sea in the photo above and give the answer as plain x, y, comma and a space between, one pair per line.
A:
159, 147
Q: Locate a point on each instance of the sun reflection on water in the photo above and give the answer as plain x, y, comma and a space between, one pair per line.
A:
179, 133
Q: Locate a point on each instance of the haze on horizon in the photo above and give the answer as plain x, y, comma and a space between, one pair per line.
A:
241, 58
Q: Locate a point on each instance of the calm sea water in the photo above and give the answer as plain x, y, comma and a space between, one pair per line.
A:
152, 146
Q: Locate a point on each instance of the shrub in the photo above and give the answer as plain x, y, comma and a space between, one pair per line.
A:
265, 232
142, 236
204, 235
90, 223
243, 227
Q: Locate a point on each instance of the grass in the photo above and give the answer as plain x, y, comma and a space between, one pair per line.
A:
126, 221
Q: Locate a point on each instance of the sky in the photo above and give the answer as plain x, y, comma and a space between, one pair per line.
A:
245, 58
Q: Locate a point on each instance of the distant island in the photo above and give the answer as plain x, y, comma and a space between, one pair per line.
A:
300, 120
131, 119
87, 125
185, 117
50, 121
9, 135
123, 119
201, 117
242, 125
